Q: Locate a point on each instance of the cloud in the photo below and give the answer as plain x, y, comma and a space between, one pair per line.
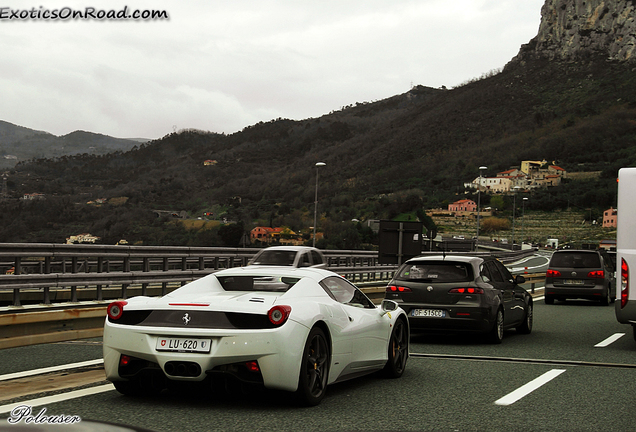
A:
221, 66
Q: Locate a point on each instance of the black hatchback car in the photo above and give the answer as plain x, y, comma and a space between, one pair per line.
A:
452, 293
584, 273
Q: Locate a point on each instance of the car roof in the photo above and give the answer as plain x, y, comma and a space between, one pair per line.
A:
577, 251
316, 274
290, 248
444, 257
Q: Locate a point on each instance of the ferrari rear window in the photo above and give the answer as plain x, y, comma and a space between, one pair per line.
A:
575, 260
436, 271
257, 283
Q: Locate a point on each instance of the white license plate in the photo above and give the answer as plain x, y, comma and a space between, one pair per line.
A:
183, 345
428, 313
573, 282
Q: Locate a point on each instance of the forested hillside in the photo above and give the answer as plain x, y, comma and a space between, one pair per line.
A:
403, 154
18, 143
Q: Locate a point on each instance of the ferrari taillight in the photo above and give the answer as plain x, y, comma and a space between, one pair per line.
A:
252, 366
116, 309
279, 314
624, 282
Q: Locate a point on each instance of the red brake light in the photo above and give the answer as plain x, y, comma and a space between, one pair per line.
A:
599, 274
395, 288
124, 360
116, 309
552, 273
624, 282
252, 366
469, 290
279, 314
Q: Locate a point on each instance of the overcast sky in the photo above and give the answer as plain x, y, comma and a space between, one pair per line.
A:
221, 65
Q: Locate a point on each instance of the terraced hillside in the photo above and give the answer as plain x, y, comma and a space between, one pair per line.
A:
536, 227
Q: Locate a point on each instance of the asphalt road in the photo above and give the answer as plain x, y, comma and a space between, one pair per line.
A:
452, 383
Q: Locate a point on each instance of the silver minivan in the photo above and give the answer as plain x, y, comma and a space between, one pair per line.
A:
626, 247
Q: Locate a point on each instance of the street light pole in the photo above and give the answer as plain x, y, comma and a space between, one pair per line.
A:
523, 218
318, 165
514, 209
478, 206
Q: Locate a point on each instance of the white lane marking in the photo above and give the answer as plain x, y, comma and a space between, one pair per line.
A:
528, 388
610, 340
58, 398
50, 369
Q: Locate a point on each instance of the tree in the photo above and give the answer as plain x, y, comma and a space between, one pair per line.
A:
231, 234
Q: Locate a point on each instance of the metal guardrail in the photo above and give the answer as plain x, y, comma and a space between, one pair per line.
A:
64, 269
97, 273
67, 268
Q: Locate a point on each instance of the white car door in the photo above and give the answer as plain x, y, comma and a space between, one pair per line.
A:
367, 330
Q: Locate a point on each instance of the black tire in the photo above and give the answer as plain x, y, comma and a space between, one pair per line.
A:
398, 350
314, 369
526, 325
495, 336
549, 299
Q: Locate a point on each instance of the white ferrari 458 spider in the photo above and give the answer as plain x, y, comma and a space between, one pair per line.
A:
291, 329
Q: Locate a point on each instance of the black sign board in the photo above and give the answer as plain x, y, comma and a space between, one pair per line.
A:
399, 241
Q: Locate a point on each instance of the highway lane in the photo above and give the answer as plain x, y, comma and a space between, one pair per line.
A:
537, 263
435, 394
451, 383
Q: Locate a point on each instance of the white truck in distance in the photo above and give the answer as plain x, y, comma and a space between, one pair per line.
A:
626, 248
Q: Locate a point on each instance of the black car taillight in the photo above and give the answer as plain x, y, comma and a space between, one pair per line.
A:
397, 288
469, 290
598, 274
624, 282
552, 273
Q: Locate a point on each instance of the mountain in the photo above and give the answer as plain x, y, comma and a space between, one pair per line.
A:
18, 143
572, 30
569, 96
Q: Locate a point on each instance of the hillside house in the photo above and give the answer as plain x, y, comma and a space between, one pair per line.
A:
491, 184
533, 174
265, 234
32, 197
610, 218
463, 205
82, 238
275, 235
530, 167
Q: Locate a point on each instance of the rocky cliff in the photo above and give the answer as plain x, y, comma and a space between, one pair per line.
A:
574, 29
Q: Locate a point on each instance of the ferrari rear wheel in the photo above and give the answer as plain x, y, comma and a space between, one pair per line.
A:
398, 350
314, 368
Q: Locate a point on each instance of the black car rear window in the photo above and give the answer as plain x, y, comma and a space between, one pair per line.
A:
436, 271
275, 257
575, 260
257, 283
